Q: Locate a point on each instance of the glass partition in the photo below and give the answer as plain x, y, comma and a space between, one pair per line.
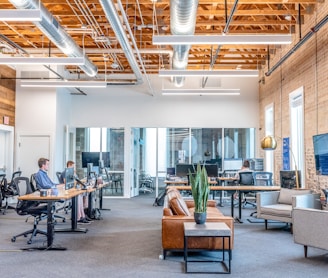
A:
103, 140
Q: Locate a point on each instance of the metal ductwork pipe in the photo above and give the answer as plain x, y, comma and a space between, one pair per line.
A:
313, 30
183, 21
56, 33
113, 17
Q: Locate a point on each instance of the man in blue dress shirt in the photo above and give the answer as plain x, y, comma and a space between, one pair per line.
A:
41, 177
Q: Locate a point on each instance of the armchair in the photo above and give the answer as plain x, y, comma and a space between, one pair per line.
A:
310, 228
278, 205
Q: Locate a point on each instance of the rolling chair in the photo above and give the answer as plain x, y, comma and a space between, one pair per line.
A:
146, 183
35, 187
8, 190
262, 178
36, 209
67, 204
2, 181
246, 178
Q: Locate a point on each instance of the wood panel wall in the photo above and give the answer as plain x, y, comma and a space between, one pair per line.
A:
7, 94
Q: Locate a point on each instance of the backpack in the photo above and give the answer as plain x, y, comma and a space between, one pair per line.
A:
159, 201
95, 214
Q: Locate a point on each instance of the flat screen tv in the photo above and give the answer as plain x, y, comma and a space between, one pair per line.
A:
320, 144
94, 157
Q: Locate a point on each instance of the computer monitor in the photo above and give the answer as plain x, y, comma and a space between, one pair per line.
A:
182, 170
94, 158
69, 178
232, 164
170, 171
288, 179
212, 170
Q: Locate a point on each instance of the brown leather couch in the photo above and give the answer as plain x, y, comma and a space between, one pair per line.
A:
176, 211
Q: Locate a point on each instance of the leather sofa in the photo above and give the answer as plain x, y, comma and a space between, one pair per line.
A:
279, 205
176, 211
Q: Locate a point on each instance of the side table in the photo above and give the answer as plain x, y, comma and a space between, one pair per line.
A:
210, 229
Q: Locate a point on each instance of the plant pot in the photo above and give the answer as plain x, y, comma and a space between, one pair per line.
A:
200, 217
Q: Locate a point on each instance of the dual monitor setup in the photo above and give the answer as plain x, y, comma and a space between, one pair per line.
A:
94, 162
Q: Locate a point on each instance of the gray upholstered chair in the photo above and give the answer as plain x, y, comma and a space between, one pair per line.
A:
310, 228
278, 205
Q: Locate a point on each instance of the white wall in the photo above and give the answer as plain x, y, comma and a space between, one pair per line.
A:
47, 111
132, 106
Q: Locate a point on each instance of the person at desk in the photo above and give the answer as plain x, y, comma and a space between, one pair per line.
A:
42, 178
44, 182
244, 168
83, 200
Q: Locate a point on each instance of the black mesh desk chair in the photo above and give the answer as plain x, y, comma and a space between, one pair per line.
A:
246, 178
36, 209
8, 190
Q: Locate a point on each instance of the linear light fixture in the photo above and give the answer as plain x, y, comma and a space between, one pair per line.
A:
64, 83
20, 15
201, 92
221, 39
223, 73
42, 60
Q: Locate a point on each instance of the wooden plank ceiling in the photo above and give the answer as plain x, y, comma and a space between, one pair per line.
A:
86, 23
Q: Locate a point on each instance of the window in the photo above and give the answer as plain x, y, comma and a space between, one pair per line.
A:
297, 129
269, 130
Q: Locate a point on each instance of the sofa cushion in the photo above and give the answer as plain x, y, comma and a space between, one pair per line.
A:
179, 206
282, 210
285, 195
173, 193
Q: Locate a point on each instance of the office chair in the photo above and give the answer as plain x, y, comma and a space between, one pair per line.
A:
262, 178
8, 190
2, 181
146, 183
36, 209
67, 204
35, 187
246, 178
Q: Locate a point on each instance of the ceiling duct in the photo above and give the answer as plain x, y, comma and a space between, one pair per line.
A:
56, 33
183, 22
312, 31
113, 17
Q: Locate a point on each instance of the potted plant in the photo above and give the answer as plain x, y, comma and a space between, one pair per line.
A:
200, 191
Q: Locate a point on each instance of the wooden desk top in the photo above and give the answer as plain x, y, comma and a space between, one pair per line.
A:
176, 182
235, 187
62, 194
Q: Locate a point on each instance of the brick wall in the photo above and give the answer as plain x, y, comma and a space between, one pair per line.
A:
307, 67
7, 94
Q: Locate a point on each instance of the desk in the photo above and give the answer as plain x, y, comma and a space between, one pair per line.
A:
210, 229
62, 195
239, 188
177, 182
224, 182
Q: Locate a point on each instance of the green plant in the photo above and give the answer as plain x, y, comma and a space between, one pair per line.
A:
199, 188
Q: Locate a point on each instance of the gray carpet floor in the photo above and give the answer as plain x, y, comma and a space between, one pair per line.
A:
127, 243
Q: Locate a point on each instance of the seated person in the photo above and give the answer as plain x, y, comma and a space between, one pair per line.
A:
83, 199
44, 182
244, 168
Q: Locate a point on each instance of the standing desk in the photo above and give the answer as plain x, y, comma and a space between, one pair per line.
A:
62, 195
